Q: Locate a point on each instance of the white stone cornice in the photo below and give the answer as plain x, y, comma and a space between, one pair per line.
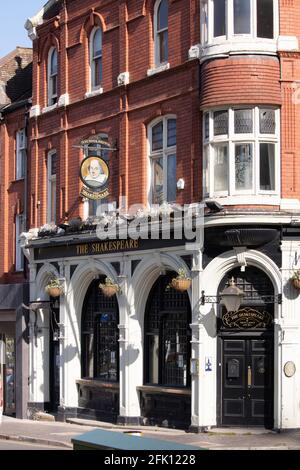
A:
36, 20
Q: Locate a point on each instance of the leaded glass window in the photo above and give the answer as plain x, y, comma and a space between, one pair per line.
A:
100, 335
220, 122
267, 123
167, 336
241, 155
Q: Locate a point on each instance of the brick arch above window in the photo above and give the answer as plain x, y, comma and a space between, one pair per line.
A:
51, 41
92, 21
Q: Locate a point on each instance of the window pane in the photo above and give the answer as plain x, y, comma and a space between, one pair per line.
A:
242, 11
157, 137
162, 15
106, 367
221, 122
171, 188
206, 126
53, 201
267, 167
158, 181
267, 124
97, 72
265, 21
205, 171
171, 132
219, 18
97, 43
243, 121
221, 168
53, 164
153, 357
243, 166
54, 88
163, 46
54, 62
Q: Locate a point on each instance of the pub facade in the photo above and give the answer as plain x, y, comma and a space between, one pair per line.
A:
140, 108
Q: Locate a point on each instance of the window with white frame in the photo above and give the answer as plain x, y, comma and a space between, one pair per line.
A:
52, 76
20, 228
161, 13
21, 145
162, 141
227, 19
96, 58
241, 151
51, 189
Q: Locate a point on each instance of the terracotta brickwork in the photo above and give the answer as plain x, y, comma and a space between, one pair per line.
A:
240, 80
123, 112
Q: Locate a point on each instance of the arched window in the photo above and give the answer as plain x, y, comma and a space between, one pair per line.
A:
52, 76
162, 139
167, 336
161, 13
100, 335
96, 58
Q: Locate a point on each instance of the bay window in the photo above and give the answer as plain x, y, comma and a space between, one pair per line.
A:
226, 19
241, 152
162, 140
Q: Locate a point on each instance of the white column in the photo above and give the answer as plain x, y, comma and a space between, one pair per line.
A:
64, 273
289, 347
131, 363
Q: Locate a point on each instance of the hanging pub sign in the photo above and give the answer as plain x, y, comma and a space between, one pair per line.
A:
94, 170
94, 173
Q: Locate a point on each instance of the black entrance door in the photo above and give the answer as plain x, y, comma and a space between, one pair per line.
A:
247, 381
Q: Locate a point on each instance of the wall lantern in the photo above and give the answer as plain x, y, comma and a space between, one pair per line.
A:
232, 297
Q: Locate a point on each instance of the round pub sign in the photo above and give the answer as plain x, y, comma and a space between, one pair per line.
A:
94, 173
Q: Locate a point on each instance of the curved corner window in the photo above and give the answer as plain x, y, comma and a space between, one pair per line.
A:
162, 139
96, 58
161, 13
229, 19
241, 152
52, 77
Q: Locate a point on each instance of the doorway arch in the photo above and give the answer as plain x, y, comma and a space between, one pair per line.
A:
246, 353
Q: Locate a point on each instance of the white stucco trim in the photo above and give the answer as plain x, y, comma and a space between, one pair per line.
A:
206, 384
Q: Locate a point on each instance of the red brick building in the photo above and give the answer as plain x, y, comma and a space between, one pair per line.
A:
164, 102
15, 96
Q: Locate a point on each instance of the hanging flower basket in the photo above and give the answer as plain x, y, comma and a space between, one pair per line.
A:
110, 288
54, 288
182, 283
296, 279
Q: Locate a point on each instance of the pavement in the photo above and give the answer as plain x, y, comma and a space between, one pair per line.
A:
58, 435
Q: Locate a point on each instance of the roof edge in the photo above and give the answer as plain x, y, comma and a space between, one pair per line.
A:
36, 20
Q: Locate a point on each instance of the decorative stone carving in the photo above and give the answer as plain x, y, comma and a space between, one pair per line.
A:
123, 78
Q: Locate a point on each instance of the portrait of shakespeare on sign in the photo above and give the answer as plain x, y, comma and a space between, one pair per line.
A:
94, 172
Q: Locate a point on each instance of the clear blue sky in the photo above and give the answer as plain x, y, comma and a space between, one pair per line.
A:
14, 13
